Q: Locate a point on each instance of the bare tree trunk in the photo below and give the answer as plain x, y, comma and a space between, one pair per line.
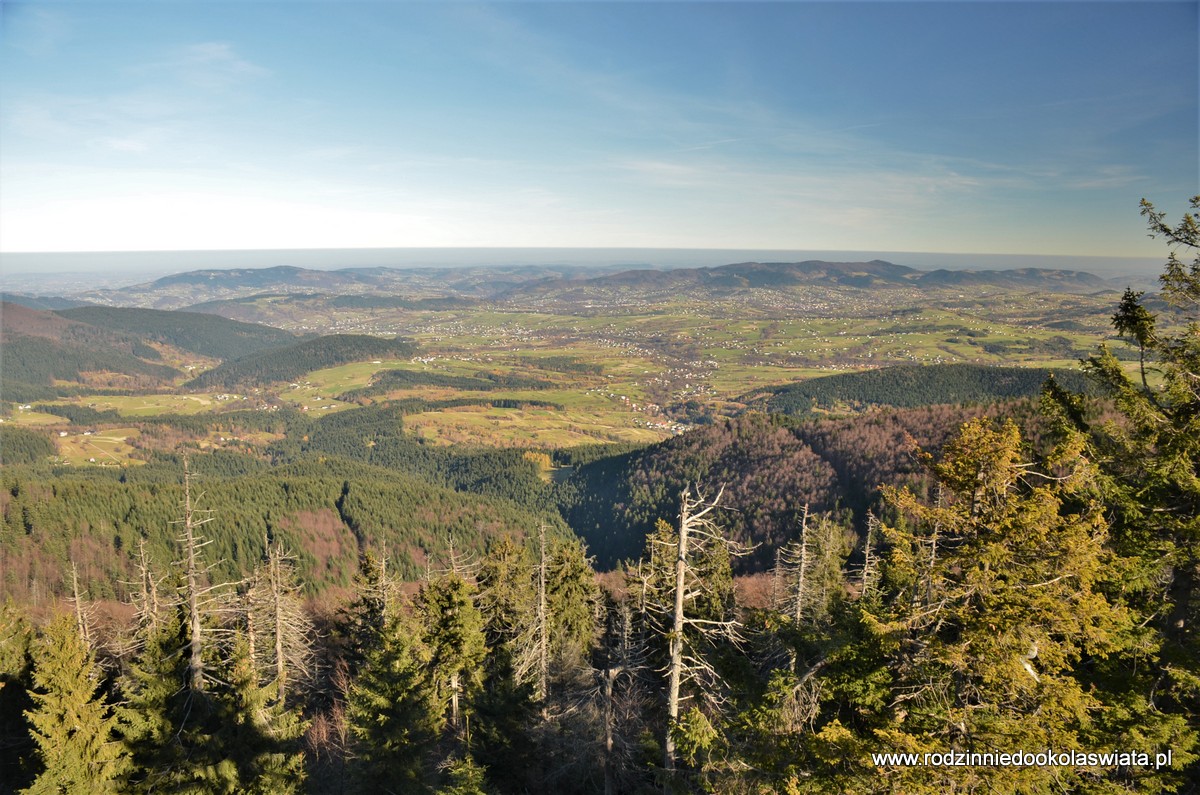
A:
277, 613
543, 634
610, 678
933, 543
800, 594
777, 581
81, 623
148, 607
676, 645
280, 623
870, 563
195, 650
252, 651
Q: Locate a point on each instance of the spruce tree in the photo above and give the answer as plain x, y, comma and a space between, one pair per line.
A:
260, 734
504, 710
70, 723
394, 713
453, 631
1149, 480
171, 730
994, 599
572, 603
364, 620
16, 667
465, 778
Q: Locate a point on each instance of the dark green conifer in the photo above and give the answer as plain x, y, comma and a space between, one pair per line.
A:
72, 726
394, 714
453, 631
260, 734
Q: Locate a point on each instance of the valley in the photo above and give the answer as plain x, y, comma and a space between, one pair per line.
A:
506, 388
613, 358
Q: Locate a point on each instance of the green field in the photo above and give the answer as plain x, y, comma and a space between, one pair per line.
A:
107, 447
641, 374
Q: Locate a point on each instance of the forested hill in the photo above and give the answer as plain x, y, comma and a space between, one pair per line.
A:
911, 385
48, 302
46, 356
207, 335
290, 362
327, 510
770, 467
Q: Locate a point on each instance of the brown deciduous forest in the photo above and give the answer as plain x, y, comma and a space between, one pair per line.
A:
354, 612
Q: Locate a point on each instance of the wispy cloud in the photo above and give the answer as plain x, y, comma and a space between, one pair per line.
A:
712, 144
661, 173
161, 108
214, 65
130, 124
207, 66
42, 31
142, 140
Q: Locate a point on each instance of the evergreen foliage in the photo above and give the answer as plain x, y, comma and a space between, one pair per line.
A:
71, 724
207, 335
170, 729
465, 778
324, 509
394, 713
293, 361
910, 386
260, 733
33, 365
23, 446
996, 594
388, 380
17, 748
1151, 481
453, 632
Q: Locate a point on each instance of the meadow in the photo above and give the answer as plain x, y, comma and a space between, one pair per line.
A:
629, 373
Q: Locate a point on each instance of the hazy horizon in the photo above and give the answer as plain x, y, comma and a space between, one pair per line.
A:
21, 272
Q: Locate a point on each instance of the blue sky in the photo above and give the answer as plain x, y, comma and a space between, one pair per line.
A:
1007, 127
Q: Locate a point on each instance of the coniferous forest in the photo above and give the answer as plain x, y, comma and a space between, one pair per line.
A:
879, 603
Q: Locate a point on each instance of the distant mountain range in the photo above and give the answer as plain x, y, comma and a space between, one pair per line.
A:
522, 283
862, 275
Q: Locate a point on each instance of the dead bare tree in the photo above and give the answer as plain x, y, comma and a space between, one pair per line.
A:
622, 691
146, 600
809, 570
82, 612
275, 613
794, 564
697, 535
532, 659
869, 577
200, 597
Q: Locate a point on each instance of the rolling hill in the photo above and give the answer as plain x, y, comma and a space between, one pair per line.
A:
724, 280
520, 284
911, 385
290, 362
205, 334
46, 355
